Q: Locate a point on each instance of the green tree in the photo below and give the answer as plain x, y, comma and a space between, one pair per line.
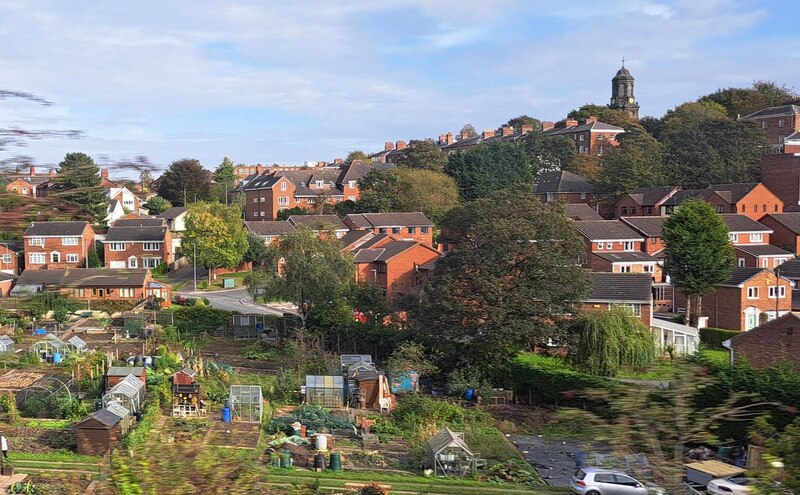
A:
518, 122
636, 162
216, 235
548, 154
699, 254
78, 184
146, 180
295, 210
313, 271
425, 155
411, 356
157, 204
256, 249
356, 155
184, 182
497, 292
744, 101
485, 169
224, 179
609, 340
94, 260
604, 114
406, 189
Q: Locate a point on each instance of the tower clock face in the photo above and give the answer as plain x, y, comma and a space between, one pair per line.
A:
630, 100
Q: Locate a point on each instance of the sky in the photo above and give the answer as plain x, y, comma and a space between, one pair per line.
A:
307, 80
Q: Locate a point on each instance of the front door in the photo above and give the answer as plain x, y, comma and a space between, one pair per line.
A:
750, 318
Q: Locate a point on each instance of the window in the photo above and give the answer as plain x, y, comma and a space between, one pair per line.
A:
625, 269
755, 208
647, 210
599, 246
781, 123
395, 230
600, 137
604, 478
320, 183
116, 246
268, 239
133, 262
424, 230
283, 186
740, 263
633, 210
628, 246
648, 268
382, 268
776, 208
263, 199
351, 184
654, 240
720, 209
581, 149
733, 237
6, 259
624, 210
764, 208
764, 124
756, 237
381, 231
37, 259
412, 230
583, 195
625, 480
36, 241
580, 138
255, 200
609, 245
152, 246
76, 292
764, 262
744, 208
262, 213
151, 262
24, 190
781, 291
126, 292
72, 258
752, 292
599, 151
69, 241
55, 257
310, 201
283, 200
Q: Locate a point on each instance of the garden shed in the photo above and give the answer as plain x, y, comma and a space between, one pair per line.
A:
448, 455
186, 401
116, 374
348, 360
247, 326
51, 349
247, 403
129, 392
125, 415
366, 388
98, 433
77, 344
6, 344
325, 390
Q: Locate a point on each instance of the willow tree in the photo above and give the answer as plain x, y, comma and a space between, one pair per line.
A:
612, 339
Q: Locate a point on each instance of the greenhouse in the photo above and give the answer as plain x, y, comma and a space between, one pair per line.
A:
325, 391
78, 344
246, 403
51, 349
448, 455
6, 344
115, 407
129, 392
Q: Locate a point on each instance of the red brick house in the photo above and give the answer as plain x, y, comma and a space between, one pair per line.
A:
51, 245
778, 123
750, 239
749, 296
565, 186
774, 341
591, 138
630, 290
94, 284
411, 226
612, 246
270, 230
138, 246
781, 174
32, 184
646, 201
6, 284
11, 255
752, 199
397, 266
785, 230
650, 229
244, 171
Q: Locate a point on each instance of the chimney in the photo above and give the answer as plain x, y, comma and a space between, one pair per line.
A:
570, 123
546, 125
33, 170
526, 128
338, 161
104, 173
507, 130
442, 139
449, 138
593, 118
488, 133
388, 146
400, 145
464, 135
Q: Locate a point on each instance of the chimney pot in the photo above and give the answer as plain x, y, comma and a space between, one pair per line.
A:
570, 123
547, 125
389, 145
400, 145
338, 161
507, 130
526, 128
464, 135
488, 133
449, 138
33, 170
104, 173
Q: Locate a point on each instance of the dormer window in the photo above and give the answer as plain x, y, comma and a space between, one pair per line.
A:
320, 183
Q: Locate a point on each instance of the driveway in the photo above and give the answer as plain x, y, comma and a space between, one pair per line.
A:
235, 300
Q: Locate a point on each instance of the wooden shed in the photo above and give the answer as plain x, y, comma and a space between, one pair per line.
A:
116, 374
366, 388
98, 433
186, 397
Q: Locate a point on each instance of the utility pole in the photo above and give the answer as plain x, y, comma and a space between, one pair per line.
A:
194, 259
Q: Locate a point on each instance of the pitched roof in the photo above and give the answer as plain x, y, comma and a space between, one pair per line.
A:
774, 112
651, 195
685, 195
103, 416
763, 250
447, 438
6, 277
593, 126
581, 211
741, 223
84, 277
44, 229
733, 192
620, 287
261, 181
136, 234
354, 171
270, 227
139, 222
172, 213
15, 245
354, 236
563, 182
789, 220
648, 226
124, 371
399, 219
627, 257
315, 221
789, 269
740, 275
385, 252
606, 230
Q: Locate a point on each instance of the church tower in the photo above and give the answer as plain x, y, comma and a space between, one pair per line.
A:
622, 97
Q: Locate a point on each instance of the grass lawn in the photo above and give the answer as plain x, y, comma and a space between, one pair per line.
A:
238, 281
662, 370
491, 444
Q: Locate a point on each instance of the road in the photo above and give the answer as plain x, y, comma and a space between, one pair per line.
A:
234, 300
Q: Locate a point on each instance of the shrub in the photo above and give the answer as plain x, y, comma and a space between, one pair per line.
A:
714, 337
549, 378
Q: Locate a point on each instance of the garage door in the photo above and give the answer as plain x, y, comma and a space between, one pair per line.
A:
117, 264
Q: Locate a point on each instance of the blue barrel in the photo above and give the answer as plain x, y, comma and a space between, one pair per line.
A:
226, 414
469, 394
56, 358
581, 459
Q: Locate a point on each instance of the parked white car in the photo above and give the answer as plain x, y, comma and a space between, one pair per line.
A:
736, 485
598, 481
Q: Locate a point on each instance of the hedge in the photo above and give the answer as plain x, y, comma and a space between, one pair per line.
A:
714, 337
548, 378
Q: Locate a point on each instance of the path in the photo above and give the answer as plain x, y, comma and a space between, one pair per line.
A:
234, 300
7, 481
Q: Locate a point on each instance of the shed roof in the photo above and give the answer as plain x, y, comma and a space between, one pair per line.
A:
125, 371
620, 287
103, 417
447, 438
115, 407
129, 386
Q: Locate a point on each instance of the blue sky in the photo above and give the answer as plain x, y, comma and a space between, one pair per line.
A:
308, 80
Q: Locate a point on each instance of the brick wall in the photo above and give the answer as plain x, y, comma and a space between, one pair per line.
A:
55, 244
782, 237
136, 249
771, 126
14, 266
781, 174
776, 340
400, 273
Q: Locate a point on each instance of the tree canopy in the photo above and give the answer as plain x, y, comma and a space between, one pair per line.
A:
224, 179
403, 189
313, 271
507, 276
185, 181
217, 233
356, 155
469, 130
484, 169
78, 185
552, 153
424, 154
636, 162
699, 253
157, 204
517, 122
744, 101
